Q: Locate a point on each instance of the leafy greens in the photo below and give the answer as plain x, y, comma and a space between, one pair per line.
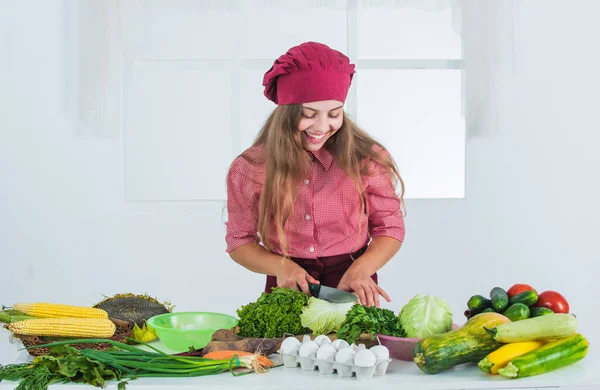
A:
273, 314
62, 364
369, 320
324, 317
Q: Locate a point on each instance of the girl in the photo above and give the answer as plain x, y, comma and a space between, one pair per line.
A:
313, 200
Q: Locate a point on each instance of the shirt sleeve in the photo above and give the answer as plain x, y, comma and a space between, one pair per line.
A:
385, 213
241, 201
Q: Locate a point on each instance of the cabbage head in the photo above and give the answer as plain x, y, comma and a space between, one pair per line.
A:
425, 315
323, 317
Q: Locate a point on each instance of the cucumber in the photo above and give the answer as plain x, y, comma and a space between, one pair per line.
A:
499, 299
550, 326
528, 298
551, 356
517, 312
539, 311
489, 310
477, 304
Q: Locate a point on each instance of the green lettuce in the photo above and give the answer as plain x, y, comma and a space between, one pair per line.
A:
324, 317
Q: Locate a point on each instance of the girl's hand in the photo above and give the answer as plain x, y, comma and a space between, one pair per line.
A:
364, 287
291, 275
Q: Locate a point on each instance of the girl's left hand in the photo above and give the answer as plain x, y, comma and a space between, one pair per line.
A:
363, 285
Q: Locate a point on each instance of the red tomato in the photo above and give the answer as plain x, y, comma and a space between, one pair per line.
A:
553, 301
517, 289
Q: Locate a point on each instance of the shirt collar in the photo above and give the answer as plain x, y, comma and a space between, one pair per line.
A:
324, 157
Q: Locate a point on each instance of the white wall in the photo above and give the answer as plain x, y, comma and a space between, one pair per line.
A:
530, 213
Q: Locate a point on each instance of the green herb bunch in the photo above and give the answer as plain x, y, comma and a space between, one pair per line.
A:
62, 364
369, 320
273, 314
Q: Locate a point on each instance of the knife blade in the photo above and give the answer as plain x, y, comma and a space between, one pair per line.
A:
331, 294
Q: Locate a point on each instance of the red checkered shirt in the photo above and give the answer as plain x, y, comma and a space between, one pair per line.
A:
326, 212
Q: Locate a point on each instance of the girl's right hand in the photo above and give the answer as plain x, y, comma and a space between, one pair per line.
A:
291, 275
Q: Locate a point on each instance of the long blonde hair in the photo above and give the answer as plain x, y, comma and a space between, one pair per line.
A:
287, 164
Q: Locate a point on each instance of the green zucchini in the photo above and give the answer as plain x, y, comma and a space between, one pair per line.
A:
528, 298
556, 354
539, 311
468, 344
477, 304
550, 326
517, 312
499, 299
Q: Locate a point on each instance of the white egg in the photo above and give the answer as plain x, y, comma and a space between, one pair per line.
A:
322, 339
339, 344
290, 344
308, 349
365, 358
345, 355
326, 351
381, 352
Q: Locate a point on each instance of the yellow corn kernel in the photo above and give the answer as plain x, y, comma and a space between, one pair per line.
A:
64, 327
56, 310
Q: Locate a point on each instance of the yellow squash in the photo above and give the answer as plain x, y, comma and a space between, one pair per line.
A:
500, 357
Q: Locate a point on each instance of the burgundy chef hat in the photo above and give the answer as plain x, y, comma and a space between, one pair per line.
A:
309, 72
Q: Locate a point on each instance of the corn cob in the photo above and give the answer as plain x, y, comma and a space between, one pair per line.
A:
55, 310
64, 327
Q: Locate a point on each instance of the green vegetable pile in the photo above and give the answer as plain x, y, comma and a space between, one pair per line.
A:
62, 364
273, 315
122, 362
369, 320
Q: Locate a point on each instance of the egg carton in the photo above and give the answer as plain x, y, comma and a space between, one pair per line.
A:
343, 370
292, 359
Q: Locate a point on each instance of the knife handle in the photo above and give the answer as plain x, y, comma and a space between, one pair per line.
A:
313, 289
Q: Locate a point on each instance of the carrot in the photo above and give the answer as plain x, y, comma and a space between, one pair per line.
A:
229, 354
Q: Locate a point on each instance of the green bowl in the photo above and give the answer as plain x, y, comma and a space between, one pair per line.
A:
180, 331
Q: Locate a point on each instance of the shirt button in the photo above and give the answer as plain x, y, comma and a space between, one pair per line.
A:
306, 181
307, 217
311, 249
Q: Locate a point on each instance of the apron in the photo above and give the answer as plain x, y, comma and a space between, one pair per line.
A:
327, 270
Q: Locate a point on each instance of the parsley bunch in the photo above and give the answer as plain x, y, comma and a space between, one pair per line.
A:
369, 320
273, 315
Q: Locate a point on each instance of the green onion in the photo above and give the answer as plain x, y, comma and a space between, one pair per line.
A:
134, 362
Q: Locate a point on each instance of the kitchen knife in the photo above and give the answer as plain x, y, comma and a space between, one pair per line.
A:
331, 294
